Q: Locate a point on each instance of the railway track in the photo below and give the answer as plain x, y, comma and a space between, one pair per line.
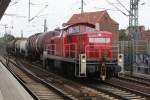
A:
100, 95
138, 80
38, 90
135, 89
117, 92
99, 91
114, 89
82, 92
135, 79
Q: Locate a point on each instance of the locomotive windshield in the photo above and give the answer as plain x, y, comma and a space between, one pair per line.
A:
99, 40
89, 29
74, 29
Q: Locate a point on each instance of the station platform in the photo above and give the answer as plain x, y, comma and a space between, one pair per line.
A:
10, 88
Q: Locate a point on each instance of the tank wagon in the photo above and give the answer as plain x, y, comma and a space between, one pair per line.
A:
77, 50
23, 47
36, 43
12, 46
31, 46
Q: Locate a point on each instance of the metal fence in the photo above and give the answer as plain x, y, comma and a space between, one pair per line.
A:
136, 54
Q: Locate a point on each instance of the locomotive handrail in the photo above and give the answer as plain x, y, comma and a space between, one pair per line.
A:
69, 51
96, 50
51, 49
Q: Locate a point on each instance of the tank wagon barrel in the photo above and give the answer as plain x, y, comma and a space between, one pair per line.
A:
44, 39
13, 45
37, 42
23, 47
31, 43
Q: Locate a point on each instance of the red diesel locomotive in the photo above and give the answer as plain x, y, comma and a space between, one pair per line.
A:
82, 51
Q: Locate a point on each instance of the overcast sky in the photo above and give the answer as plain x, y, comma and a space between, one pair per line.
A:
59, 11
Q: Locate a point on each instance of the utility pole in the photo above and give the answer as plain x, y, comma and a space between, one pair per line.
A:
21, 33
29, 12
133, 30
82, 4
5, 32
5, 28
45, 25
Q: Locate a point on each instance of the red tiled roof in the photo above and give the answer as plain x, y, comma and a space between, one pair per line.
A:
88, 17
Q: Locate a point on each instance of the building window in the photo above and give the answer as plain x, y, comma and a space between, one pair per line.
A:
74, 29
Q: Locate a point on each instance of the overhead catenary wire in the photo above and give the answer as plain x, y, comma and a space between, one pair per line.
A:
106, 9
124, 7
38, 13
13, 3
15, 15
116, 7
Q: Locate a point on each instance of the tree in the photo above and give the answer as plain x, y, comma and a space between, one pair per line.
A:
8, 37
4, 41
123, 35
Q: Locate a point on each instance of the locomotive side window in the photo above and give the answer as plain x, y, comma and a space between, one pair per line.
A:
89, 29
74, 29
99, 40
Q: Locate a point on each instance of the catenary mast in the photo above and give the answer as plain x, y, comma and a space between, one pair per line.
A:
133, 19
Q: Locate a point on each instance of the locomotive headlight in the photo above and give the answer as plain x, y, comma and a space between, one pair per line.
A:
83, 60
120, 60
99, 34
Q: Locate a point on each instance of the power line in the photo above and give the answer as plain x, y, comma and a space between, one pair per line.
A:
15, 15
116, 8
106, 9
119, 2
38, 13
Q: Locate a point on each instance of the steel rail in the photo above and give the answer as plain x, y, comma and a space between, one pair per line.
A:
58, 91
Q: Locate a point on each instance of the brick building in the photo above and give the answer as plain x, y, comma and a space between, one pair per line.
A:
100, 19
144, 34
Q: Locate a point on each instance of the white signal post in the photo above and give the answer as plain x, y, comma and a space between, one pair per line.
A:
121, 62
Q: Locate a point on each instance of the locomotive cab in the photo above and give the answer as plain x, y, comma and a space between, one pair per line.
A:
89, 41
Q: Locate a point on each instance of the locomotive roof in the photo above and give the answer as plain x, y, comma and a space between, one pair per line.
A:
82, 23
